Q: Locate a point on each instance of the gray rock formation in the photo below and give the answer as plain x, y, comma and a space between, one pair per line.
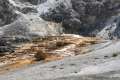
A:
21, 18
85, 17
7, 14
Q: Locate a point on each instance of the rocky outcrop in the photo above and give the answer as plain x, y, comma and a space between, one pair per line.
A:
21, 18
88, 17
7, 14
20, 22
85, 17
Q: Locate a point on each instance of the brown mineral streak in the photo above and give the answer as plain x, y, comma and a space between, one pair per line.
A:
39, 49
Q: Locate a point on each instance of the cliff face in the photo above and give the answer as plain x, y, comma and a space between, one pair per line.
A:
85, 17
89, 17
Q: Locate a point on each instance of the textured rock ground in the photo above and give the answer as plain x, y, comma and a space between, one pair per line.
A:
45, 49
99, 64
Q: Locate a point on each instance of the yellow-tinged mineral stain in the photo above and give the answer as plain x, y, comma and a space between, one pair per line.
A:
41, 49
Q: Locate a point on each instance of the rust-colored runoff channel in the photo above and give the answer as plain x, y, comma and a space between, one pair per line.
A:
42, 50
